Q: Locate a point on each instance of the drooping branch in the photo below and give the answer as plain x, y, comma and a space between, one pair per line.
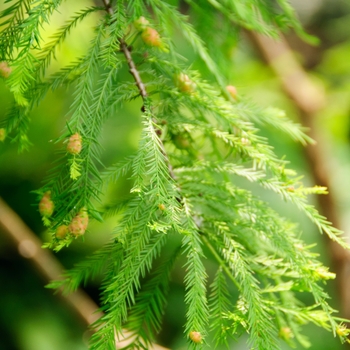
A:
309, 100
29, 247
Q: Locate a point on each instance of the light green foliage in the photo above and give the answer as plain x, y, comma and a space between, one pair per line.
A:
196, 140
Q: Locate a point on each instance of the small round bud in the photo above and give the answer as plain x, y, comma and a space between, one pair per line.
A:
324, 274
299, 246
196, 337
5, 69
232, 91
161, 207
181, 142
2, 134
290, 189
84, 216
76, 227
151, 37
62, 231
74, 145
141, 24
245, 141
342, 331
286, 333
79, 223
184, 83
46, 205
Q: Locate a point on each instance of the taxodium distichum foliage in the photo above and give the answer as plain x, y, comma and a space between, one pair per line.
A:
197, 137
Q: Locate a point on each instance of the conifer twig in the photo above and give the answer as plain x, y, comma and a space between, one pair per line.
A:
209, 139
133, 70
309, 100
29, 247
132, 67
220, 261
139, 83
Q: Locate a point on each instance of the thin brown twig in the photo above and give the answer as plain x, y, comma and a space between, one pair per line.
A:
133, 70
143, 92
132, 67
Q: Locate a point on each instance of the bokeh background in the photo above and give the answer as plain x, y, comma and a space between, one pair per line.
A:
32, 317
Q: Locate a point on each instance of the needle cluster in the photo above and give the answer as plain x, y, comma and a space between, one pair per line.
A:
196, 141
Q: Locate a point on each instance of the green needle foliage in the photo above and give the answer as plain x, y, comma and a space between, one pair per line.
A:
197, 139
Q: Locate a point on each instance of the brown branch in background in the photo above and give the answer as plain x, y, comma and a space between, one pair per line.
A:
29, 247
309, 99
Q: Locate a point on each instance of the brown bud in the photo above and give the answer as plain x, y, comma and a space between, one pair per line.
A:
196, 337
184, 83
151, 37
46, 205
5, 69
62, 231
232, 91
79, 223
74, 145
161, 207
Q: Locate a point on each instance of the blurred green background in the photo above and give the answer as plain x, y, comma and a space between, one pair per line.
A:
32, 317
